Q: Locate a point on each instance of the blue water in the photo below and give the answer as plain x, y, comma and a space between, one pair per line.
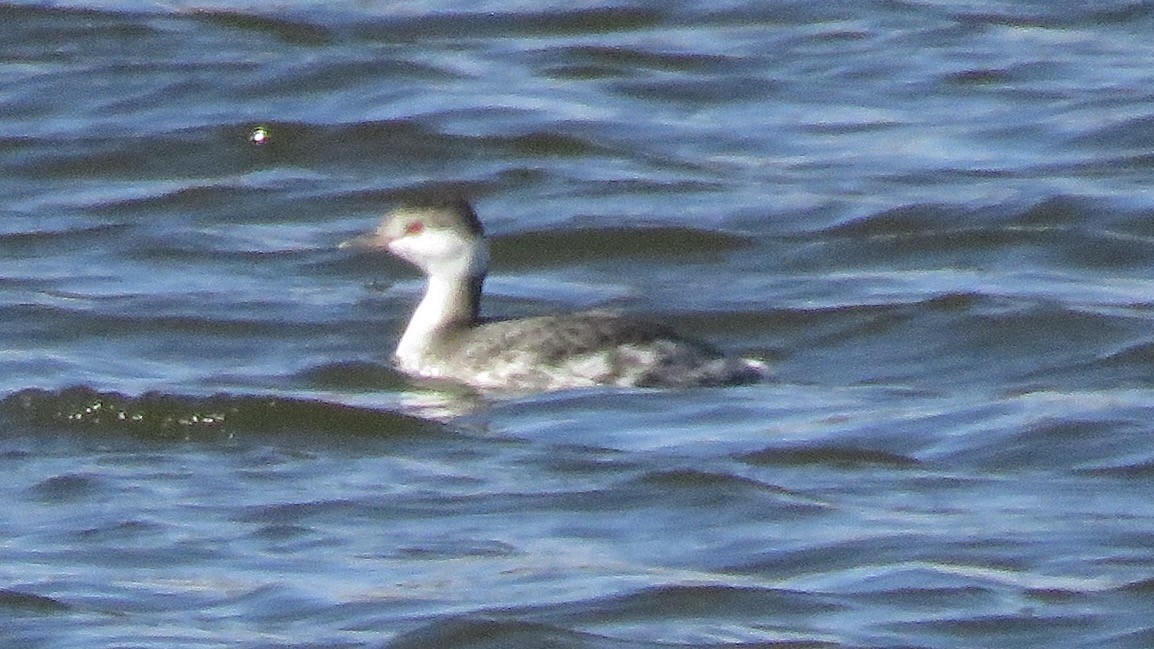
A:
932, 219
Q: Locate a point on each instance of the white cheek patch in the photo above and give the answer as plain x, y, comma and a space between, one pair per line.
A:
430, 247
440, 252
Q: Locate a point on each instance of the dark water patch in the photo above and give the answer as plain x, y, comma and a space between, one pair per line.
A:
598, 62
123, 532
579, 500
339, 76
14, 601
1129, 14
162, 415
1130, 134
1135, 220
831, 456
1054, 211
700, 481
67, 487
1125, 469
577, 72
586, 244
55, 240
786, 15
728, 495
380, 199
219, 151
580, 462
200, 200
909, 596
1137, 638
849, 127
272, 603
352, 376
580, 21
1055, 595
1033, 15
374, 144
154, 551
204, 152
46, 324
284, 533
822, 329
284, 29
979, 77
1028, 338
482, 633
983, 574
1143, 587
230, 248
998, 630
545, 144
1029, 79
298, 513
422, 139
823, 556
1060, 230
632, 58
713, 602
1035, 340
55, 27
1105, 250
690, 90
904, 221
436, 26
456, 548
49, 158
749, 334
616, 187
1072, 16
14, 454
924, 221
18, 10
1049, 445
375, 200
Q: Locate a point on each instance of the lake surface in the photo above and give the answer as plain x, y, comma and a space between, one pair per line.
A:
933, 219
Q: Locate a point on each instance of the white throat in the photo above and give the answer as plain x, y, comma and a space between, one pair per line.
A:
450, 300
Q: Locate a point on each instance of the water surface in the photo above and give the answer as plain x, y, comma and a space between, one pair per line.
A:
932, 219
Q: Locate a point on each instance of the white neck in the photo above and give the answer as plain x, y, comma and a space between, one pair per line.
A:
452, 299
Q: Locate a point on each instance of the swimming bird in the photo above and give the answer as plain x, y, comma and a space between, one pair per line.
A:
447, 339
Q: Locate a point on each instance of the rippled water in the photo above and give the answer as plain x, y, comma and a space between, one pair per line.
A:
932, 219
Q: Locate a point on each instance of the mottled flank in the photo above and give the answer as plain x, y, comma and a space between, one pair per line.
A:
588, 348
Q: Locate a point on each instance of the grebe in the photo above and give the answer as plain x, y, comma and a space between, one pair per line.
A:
446, 339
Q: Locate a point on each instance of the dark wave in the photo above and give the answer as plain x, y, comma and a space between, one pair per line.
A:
77, 235
494, 24
1057, 231
735, 88
156, 414
583, 244
832, 456
704, 601
483, 633
16, 602
540, 626
287, 30
627, 61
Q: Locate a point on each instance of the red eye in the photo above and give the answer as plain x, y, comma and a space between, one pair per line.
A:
415, 227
